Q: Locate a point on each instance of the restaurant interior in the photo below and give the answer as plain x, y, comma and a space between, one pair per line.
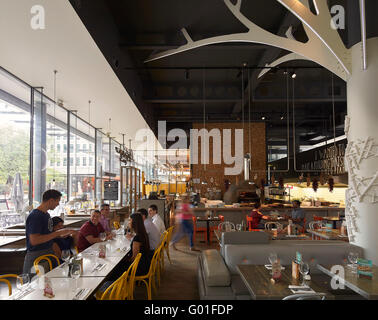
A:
249, 125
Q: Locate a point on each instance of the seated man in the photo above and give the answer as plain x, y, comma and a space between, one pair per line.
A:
256, 216
298, 217
298, 214
90, 231
104, 218
152, 231
60, 244
156, 219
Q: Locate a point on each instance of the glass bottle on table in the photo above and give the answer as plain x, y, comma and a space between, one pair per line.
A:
290, 228
75, 274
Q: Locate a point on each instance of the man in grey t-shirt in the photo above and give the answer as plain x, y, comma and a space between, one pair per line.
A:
298, 214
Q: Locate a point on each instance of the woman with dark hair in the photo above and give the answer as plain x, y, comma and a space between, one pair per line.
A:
139, 244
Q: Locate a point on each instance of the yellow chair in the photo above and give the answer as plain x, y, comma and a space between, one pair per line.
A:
4, 279
166, 246
123, 287
163, 240
45, 257
149, 278
131, 281
160, 264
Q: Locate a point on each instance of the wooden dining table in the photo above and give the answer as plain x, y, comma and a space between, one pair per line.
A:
257, 279
64, 287
368, 288
328, 234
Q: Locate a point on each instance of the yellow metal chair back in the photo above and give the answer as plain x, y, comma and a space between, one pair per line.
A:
47, 258
160, 266
4, 279
121, 288
131, 281
113, 292
166, 246
149, 278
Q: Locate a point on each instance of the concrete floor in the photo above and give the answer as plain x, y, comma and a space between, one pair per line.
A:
180, 276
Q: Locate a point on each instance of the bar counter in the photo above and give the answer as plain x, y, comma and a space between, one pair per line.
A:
237, 214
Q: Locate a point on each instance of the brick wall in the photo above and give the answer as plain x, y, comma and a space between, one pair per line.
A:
215, 172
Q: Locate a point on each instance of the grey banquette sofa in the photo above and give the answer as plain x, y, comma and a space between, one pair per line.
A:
218, 278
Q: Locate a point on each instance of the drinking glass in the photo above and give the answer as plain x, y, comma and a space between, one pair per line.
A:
22, 282
304, 269
75, 273
272, 258
66, 254
102, 236
353, 258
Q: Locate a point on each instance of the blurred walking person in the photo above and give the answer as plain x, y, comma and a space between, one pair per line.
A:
185, 223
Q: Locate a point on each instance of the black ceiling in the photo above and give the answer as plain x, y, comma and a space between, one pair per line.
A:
171, 89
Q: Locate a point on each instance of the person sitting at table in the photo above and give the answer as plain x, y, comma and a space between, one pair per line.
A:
152, 231
104, 217
297, 215
256, 216
90, 231
61, 244
156, 219
139, 244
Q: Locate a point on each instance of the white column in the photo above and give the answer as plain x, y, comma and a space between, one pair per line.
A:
362, 151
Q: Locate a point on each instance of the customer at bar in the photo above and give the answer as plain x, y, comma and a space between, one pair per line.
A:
90, 232
61, 244
156, 219
152, 231
39, 230
298, 214
256, 216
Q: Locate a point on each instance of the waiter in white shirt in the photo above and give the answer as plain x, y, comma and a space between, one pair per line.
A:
156, 219
152, 231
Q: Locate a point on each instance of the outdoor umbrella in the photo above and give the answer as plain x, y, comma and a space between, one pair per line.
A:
17, 195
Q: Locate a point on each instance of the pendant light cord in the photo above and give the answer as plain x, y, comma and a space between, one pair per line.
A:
333, 113
204, 117
55, 72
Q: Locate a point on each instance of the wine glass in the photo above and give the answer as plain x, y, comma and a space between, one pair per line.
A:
75, 274
304, 269
273, 258
66, 254
22, 282
353, 258
102, 236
